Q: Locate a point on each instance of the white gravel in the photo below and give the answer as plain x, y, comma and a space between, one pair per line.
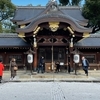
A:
49, 91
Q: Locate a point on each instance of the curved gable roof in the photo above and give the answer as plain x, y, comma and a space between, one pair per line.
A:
54, 17
31, 12
51, 13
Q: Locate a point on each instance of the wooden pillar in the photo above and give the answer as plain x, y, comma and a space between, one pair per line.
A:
35, 54
35, 59
71, 58
24, 60
97, 58
71, 55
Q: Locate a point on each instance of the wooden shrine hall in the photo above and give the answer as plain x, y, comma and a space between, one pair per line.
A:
51, 31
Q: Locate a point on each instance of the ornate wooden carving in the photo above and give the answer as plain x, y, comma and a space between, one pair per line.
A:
54, 39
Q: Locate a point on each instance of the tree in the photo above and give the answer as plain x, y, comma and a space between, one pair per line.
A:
6, 9
75, 2
64, 2
91, 11
69, 2
8, 27
1, 27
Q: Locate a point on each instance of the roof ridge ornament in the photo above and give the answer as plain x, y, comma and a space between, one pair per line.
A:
52, 5
51, 1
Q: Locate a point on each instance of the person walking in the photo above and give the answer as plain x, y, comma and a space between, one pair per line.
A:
12, 68
1, 70
85, 65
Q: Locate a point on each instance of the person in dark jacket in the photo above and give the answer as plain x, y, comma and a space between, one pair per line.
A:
57, 66
1, 70
69, 70
41, 66
85, 65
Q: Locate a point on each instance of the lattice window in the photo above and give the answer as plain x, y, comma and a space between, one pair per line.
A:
90, 58
1, 58
17, 57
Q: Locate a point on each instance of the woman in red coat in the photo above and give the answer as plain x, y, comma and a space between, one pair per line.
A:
1, 70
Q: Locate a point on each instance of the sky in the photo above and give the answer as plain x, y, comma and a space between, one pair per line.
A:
27, 2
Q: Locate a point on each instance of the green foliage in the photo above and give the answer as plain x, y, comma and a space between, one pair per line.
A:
6, 9
69, 2
75, 2
91, 11
64, 2
9, 27
13, 28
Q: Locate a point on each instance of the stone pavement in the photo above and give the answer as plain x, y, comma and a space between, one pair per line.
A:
23, 76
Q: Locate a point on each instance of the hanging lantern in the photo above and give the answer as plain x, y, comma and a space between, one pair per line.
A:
76, 58
30, 58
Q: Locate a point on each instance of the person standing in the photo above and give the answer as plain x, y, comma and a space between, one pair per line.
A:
1, 70
85, 65
41, 65
69, 67
12, 65
57, 66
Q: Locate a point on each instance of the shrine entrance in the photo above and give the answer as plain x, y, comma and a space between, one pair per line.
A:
54, 45
52, 54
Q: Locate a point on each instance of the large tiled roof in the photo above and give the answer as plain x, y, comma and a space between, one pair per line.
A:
32, 16
24, 13
74, 12
11, 39
92, 41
